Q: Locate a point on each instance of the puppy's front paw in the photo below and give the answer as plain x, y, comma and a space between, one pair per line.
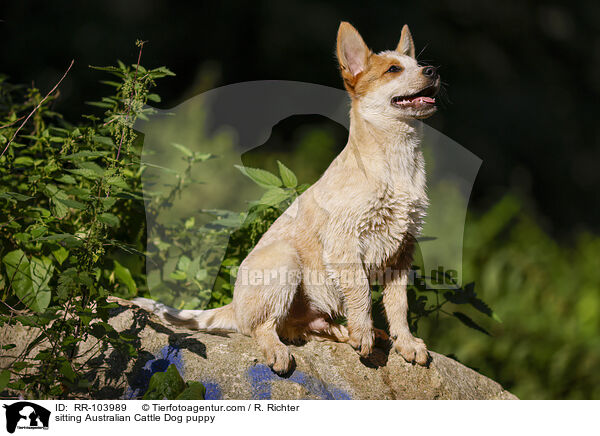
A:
363, 342
412, 349
280, 360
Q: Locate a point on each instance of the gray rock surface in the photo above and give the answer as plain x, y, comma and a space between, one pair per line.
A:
230, 366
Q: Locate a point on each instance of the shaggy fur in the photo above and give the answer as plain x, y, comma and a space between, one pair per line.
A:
360, 218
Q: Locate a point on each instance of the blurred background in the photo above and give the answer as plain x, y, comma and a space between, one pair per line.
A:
522, 93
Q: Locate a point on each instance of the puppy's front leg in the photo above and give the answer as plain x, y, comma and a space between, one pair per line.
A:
352, 281
395, 303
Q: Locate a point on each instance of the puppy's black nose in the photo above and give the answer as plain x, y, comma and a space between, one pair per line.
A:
430, 72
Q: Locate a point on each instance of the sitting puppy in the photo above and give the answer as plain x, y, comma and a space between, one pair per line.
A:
360, 218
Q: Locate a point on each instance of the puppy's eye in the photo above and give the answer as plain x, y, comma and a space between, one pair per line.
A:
394, 69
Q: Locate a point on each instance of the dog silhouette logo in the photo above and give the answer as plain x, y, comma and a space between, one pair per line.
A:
26, 415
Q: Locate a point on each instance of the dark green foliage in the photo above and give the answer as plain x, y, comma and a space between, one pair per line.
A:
170, 386
71, 221
546, 293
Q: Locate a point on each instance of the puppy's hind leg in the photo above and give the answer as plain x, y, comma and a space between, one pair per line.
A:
263, 303
323, 330
332, 331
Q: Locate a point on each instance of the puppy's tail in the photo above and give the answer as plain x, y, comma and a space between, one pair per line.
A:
221, 318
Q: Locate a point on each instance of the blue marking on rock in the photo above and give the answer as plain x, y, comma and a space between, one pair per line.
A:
213, 391
261, 378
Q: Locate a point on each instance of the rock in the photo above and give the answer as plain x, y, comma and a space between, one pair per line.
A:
230, 367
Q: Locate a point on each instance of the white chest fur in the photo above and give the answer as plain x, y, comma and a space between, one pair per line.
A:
397, 207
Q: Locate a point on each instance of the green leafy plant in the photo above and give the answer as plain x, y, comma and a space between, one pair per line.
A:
169, 385
546, 292
71, 208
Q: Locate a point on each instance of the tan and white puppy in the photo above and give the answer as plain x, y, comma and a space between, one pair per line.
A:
359, 219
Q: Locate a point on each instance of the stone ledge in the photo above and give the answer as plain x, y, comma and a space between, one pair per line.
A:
230, 366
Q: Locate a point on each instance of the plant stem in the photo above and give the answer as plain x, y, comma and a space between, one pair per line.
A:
37, 107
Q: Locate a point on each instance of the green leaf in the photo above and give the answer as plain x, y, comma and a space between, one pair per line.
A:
84, 154
260, 177
178, 275
17, 271
5, 378
184, 263
201, 157
189, 223
117, 181
109, 219
70, 203
59, 209
201, 274
107, 202
194, 391
69, 239
81, 193
274, 196
29, 279
165, 385
225, 218
105, 140
37, 231
92, 166
303, 187
183, 149
24, 161
15, 196
41, 271
154, 98
99, 104
88, 174
22, 237
157, 73
60, 254
110, 100
287, 176
110, 68
130, 195
67, 179
124, 276
67, 371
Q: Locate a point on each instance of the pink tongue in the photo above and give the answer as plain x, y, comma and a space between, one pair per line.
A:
424, 99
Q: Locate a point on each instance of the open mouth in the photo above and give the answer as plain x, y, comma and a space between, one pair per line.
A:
422, 99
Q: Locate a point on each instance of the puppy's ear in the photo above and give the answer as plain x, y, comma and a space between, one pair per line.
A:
352, 53
406, 46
